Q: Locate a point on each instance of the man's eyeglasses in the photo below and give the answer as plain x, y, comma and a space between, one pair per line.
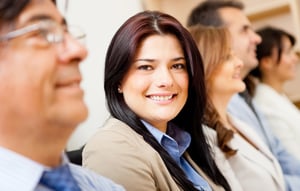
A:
51, 31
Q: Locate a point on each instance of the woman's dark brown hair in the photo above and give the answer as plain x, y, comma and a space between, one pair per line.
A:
119, 58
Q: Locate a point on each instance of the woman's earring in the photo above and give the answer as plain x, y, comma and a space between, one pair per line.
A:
119, 90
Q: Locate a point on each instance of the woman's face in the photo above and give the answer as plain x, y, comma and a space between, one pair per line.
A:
227, 79
156, 85
286, 68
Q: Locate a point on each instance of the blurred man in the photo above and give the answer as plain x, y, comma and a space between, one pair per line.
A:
42, 102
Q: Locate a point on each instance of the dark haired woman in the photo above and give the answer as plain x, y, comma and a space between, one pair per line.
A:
154, 85
277, 65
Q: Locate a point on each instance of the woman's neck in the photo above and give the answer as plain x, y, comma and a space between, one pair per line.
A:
276, 84
220, 103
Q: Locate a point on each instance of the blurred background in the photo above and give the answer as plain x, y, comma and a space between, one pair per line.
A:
101, 19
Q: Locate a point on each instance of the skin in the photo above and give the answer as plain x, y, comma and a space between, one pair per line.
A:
229, 72
244, 38
156, 85
276, 74
42, 99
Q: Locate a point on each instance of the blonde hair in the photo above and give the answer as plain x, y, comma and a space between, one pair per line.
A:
214, 44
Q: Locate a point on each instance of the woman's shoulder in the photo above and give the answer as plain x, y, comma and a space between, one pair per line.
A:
114, 131
208, 129
116, 136
121, 154
265, 94
210, 134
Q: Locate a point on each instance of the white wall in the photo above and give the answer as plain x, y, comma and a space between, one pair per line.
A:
100, 19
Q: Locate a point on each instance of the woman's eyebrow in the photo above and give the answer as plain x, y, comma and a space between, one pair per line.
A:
152, 60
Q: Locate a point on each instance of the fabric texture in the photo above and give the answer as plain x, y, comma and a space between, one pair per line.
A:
283, 116
59, 179
252, 167
129, 160
289, 164
175, 142
18, 173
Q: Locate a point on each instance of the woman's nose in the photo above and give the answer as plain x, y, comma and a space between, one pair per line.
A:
163, 78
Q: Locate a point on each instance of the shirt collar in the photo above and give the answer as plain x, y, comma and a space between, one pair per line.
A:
20, 173
175, 134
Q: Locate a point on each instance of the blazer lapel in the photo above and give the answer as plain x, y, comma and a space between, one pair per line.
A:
265, 159
199, 170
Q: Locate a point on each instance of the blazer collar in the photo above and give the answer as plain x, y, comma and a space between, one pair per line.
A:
250, 152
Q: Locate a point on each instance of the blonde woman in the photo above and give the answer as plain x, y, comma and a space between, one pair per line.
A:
241, 155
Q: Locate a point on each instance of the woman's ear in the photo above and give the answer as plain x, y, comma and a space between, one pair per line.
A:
266, 63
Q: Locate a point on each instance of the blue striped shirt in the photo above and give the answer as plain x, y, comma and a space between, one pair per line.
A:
175, 143
18, 173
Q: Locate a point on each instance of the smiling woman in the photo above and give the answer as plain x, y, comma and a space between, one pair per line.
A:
277, 65
238, 150
160, 81
153, 62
